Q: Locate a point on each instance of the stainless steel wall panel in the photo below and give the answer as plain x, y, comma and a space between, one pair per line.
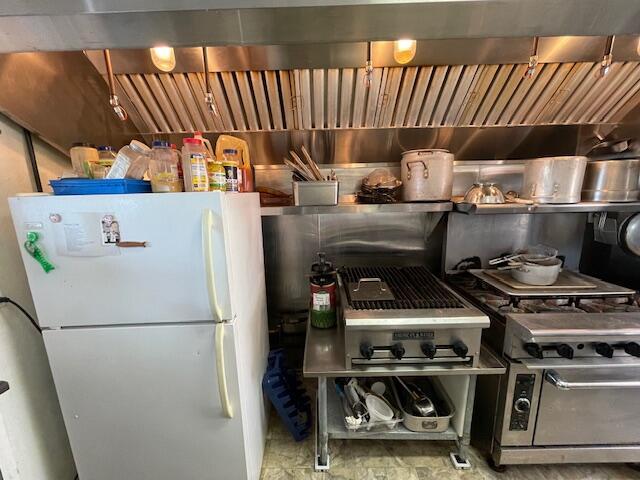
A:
165, 104
260, 95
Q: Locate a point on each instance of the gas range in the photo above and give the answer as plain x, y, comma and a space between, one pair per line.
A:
405, 315
597, 320
569, 394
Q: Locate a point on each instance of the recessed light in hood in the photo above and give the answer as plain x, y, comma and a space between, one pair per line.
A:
163, 58
404, 50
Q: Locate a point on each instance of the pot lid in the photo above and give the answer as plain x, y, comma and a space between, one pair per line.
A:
441, 150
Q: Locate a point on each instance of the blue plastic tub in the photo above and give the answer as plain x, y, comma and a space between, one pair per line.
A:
87, 186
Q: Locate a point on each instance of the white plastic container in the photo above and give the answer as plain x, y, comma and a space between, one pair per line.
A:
163, 169
131, 162
194, 166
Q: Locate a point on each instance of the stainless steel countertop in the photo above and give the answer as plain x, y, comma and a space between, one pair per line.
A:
582, 207
324, 356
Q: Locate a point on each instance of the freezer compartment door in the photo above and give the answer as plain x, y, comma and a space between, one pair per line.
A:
597, 406
143, 402
102, 277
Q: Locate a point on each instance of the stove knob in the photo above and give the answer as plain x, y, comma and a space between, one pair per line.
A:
632, 348
460, 349
522, 405
604, 349
397, 350
429, 349
565, 351
366, 350
533, 349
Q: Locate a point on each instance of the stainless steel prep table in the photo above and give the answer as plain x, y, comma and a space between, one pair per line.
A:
324, 358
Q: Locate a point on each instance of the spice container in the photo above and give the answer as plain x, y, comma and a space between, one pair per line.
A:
216, 174
322, 290
83, 155
163, 169
231, 170
131, 162
194, 166
106, 157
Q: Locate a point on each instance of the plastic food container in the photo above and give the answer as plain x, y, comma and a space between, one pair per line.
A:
106, 157
444, 407
131, 162
83, 155
163, 169
315, 193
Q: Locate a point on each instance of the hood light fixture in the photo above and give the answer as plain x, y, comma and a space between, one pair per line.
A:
164, 58
404, 50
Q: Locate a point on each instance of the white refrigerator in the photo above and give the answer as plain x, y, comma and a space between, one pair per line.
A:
155, 326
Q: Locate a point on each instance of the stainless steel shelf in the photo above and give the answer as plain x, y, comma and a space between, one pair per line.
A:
336, 428
346, 208
582, 207
324, 357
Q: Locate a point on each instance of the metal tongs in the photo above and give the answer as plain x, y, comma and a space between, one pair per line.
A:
307, 170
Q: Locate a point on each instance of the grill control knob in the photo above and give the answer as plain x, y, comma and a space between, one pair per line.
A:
522, 405
366, 350
429, 349
460, 349
604, 349
397, 350
565, 351
632, 348
533, 349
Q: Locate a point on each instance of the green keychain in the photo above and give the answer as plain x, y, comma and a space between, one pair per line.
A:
31, 246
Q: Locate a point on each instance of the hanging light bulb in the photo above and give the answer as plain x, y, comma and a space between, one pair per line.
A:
404, 50
163, 58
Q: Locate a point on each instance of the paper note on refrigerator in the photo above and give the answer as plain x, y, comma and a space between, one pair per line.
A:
82, 235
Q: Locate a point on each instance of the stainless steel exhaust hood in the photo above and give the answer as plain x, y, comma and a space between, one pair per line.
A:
254, 93
27, 25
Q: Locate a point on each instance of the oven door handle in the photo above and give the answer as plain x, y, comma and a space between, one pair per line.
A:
560, 383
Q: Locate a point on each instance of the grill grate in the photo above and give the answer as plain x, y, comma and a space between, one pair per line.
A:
412, 287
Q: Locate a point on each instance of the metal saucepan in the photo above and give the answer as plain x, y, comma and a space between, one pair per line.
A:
539, 273
531, 254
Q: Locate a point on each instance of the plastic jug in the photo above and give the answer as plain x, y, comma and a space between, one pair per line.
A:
194, 165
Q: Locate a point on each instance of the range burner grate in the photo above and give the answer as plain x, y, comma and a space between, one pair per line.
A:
412, 287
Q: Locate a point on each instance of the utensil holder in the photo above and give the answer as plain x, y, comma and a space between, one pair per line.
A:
315, 193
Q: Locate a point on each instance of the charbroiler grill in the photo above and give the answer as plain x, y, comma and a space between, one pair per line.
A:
405, 315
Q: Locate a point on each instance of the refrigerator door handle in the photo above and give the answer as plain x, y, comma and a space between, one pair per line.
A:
227, 408
207, 244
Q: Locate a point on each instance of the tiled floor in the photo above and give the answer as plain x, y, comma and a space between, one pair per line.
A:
405, 460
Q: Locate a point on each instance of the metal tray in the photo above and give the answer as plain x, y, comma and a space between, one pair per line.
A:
437, 424
315, 193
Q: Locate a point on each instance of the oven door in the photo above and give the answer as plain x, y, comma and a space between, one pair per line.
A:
589, 406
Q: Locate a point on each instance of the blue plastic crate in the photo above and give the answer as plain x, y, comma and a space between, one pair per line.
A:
88, 186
